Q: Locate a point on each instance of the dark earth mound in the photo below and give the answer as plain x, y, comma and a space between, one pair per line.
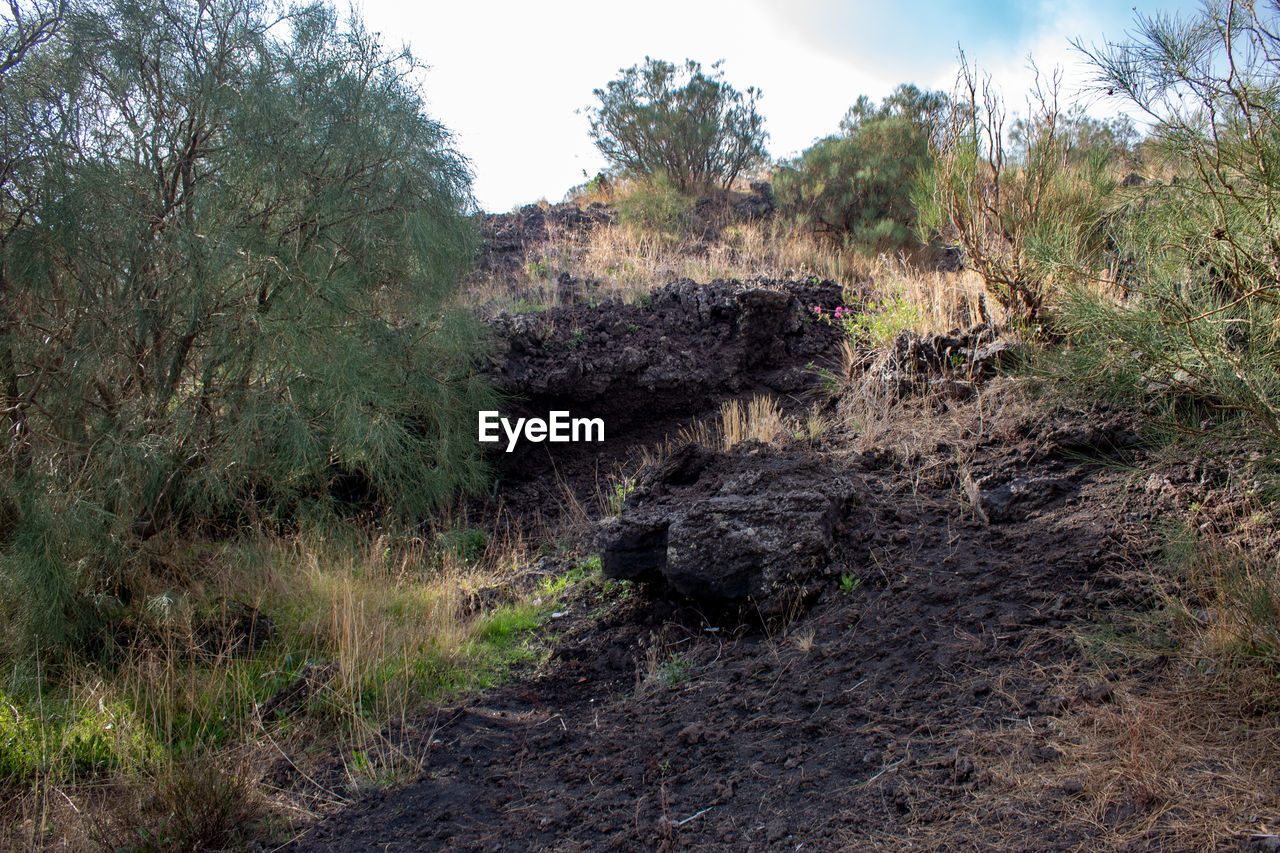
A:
948, 363
851, 726
507, 236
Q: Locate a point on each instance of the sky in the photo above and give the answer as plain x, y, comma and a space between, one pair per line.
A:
513, 78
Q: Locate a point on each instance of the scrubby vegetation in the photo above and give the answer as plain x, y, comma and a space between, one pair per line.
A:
228, 367
1201, 262
856, 186
241, 346
1026, 210
213, 315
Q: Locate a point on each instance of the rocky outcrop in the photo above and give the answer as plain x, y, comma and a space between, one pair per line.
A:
676, 354
758, 205
753, 526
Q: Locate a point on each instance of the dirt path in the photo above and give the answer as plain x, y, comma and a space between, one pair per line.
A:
855, 724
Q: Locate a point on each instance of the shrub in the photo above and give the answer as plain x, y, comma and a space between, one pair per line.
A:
1019, 211
856, 186
1198, 322
694, 128
226, 300
1113, 140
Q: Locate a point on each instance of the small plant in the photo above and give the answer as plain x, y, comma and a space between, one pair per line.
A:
814, 424
576, 338
876, 326
674, 671
1006, 192
539, 268
849, 583
618, 496
632, 329
888, 319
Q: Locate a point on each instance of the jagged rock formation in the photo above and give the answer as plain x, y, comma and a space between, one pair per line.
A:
686, 346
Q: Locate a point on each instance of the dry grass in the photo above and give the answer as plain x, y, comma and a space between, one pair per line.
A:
626, 263
1225, 602
759, 419
874, 415
1167, 766
803, 641
1181, 751
169, 747
942, 300
1188, 767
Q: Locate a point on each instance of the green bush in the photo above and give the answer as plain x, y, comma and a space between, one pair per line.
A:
857, 186
226, 300
694, 128
1196, 330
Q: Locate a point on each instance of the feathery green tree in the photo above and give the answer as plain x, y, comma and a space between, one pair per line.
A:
1199, 321
229, 241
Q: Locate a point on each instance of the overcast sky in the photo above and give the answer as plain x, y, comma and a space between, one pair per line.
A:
510, 77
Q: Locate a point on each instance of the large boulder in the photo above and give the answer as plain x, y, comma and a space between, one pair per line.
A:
752, 526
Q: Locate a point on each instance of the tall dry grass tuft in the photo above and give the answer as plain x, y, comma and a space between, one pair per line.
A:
758, 420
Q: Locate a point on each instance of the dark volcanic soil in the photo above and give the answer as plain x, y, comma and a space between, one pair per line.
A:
849, 725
